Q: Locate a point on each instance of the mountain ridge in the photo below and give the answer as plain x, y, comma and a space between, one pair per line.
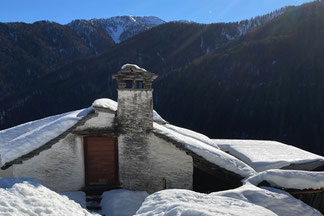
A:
120, 28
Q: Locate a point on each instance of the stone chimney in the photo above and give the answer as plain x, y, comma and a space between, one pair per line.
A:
135, 99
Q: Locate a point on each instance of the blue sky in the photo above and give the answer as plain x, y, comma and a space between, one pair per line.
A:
202, 11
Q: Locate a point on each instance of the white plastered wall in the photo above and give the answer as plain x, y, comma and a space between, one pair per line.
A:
60, 168
170, 163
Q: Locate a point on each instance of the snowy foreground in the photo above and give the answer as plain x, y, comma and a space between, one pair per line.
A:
246, 200
20, 196
122, 202
27, 197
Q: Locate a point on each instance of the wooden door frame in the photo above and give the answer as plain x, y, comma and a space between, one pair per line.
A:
85, 149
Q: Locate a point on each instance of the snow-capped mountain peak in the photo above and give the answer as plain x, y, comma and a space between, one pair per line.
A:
121, 28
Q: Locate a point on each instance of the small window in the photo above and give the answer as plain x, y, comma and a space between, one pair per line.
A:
129, 84
139, 84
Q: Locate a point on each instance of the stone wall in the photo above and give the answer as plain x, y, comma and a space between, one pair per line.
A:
149, 163
135, 110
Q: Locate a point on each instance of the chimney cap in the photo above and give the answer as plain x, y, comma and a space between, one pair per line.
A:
134, 72
132, 67
133, 77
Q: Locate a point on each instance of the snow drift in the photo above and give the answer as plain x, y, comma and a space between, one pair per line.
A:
246, 200
122, 202
184, 202
19, 196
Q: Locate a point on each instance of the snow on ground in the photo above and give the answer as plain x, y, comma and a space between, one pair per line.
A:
279, 202
122, 202
76, 196
245, 200
290, 179
205, 150
30, 136
185, 202
23, 196
264, 155
116, 32
19, 196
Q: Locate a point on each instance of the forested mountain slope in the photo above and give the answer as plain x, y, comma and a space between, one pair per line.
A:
266, 85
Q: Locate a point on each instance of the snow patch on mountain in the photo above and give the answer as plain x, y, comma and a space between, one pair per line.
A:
184, 21
246, 26
120, 28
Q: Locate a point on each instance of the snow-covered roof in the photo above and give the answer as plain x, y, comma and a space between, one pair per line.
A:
204, 147
21, 196
23, 139
290, 179
264, 155
245, 200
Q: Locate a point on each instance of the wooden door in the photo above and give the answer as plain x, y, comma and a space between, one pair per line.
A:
101, 164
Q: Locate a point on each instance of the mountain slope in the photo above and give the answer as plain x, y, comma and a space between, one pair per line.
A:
77, 84
30, 51
266, 85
